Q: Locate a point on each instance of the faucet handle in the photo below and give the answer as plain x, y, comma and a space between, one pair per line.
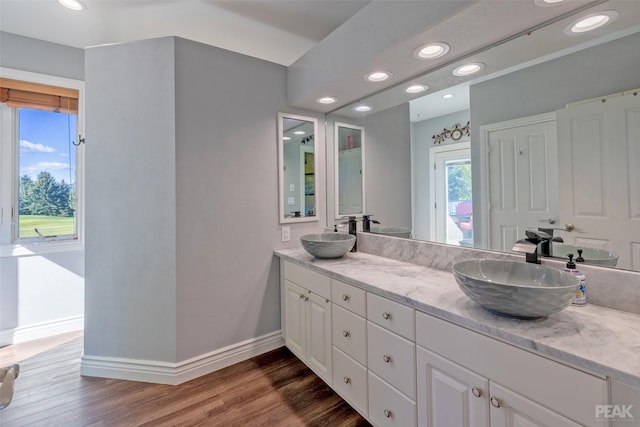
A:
537, 235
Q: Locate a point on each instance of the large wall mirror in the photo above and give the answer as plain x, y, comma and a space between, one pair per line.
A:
297, 168
349, 179
568, 160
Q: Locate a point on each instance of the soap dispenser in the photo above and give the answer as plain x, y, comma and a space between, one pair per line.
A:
581, 295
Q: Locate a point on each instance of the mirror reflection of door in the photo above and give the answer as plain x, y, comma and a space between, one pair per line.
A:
523, 183
451, 195
350, 171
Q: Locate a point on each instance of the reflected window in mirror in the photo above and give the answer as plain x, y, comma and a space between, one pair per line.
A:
297, 168
349, 156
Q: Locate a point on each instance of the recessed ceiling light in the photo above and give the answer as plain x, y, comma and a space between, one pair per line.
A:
431, 51
299, 132
378, 76
326, 100
416, 88
591, 22
73, 4
286, 138
468, 69
362, 108
447, 96
547, 3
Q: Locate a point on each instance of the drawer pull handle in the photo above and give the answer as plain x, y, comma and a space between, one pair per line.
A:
476, 392
386, 358
345, 297
346, 380
386, 316
387, 413
495, 402
346, 334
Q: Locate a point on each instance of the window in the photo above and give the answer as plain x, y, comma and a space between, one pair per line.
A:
40, 158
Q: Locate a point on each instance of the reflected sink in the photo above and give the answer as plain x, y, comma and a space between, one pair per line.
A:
328, 245
516, 289
591, 256
392, 231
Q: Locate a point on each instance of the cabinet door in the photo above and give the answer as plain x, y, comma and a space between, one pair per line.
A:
295, 319
319, 336
450, 395
509, 409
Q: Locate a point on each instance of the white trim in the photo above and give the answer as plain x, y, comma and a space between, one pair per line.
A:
158, 372
485, 197
41, 330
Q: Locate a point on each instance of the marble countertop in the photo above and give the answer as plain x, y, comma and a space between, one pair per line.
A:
592, 338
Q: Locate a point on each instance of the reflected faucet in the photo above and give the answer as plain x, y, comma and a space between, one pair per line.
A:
536, 243
366, 223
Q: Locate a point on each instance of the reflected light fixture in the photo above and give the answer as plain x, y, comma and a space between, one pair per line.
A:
468, 69
416, 88
286, 138
431, 51
75, 5
299, 132
378, 76
326, 100
591, 22
362, 108
447, 96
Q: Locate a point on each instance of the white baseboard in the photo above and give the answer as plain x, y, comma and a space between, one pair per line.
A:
41, 330
152, 371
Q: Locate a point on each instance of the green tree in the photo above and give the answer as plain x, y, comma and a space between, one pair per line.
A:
24, 190
459, 181
45, 196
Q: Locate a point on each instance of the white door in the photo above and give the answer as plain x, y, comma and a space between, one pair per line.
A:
350, 181
450, 162
295, 320
509, 409
599, 158
319, 354
450, 395
523, 181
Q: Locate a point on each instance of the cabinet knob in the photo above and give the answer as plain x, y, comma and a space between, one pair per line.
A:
345, 334
386, 358
345, 297
476, 392
387, 413
386, 316
346, 380
495, 402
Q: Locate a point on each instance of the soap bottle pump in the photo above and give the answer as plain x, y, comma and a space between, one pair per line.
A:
581, 295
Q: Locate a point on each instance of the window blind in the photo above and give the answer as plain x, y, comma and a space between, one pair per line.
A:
20, 94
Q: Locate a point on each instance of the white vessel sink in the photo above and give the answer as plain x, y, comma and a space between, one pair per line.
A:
328, 245
591, 256
392, 231
516, 289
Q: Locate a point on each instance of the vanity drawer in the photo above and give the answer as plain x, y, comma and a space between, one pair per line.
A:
310, 280
350, 380
349, 297
391, 315
389, 407
350, 333
393, 358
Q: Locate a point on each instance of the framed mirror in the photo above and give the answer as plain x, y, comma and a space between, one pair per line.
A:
349, 173
297, 168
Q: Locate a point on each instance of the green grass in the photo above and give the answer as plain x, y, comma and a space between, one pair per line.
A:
47, 225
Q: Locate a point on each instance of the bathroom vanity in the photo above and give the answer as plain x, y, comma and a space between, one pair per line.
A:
405, 347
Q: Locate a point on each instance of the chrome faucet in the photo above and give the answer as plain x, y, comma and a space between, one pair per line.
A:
536, 243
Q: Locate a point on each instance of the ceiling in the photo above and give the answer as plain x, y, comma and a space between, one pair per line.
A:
328, 45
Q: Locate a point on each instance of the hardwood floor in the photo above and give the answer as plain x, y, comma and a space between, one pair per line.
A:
274, 389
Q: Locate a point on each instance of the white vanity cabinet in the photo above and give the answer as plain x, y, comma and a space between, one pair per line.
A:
473, 375
308, 318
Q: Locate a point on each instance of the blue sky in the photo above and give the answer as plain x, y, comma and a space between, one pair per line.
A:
44, 144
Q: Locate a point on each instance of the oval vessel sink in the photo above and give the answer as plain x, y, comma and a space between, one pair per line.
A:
392, 231
591, 256
516, 289
328, 245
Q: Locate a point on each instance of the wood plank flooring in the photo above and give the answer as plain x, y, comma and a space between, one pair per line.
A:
274, 389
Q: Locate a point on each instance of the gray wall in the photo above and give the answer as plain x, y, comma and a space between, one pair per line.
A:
191, 155
601, 70
387, 166
24, 53
421, 142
